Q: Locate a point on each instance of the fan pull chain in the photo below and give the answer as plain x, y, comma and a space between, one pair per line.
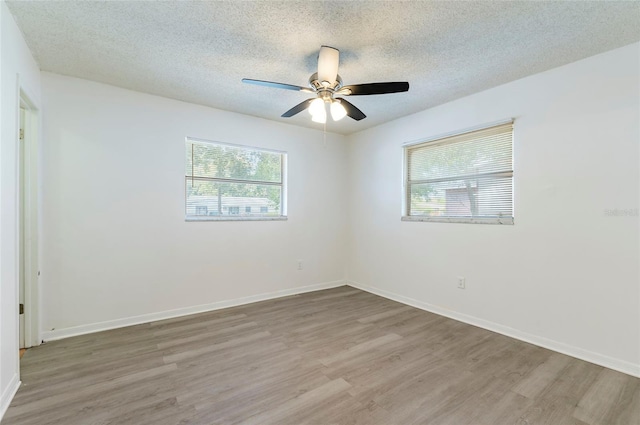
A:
324, 134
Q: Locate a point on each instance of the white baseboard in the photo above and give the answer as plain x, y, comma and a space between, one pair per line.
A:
8, 394
161, 315
579, 353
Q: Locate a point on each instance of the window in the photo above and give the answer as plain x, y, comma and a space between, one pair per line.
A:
465, 178
229, 182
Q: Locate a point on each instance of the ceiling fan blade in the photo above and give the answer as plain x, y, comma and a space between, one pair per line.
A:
277, 85
298, 108
373, 88
352, 111
328, 60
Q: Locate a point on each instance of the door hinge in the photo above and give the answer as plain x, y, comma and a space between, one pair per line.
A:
21, 308
21, 134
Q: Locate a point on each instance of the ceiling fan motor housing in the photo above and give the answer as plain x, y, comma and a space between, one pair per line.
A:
324, 91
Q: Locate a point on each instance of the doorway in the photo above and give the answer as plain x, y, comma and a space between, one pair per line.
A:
21, 228
27, 223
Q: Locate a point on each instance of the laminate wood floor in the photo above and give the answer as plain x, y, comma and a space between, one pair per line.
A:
340, 356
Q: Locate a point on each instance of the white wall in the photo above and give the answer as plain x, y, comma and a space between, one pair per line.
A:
565, 276
17, 69
115, 241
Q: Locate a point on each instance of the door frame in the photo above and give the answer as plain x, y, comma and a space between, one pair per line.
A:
30, 216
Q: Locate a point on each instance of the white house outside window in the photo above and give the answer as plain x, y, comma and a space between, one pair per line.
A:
231, 182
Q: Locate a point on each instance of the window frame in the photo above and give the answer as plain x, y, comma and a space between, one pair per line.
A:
442, 139
229, 217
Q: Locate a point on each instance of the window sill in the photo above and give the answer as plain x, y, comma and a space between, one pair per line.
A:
229, 218
467, 220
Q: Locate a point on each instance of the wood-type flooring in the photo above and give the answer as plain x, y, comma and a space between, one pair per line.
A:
338, 356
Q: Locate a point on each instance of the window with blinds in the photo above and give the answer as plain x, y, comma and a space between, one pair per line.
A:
230, 182
464, 178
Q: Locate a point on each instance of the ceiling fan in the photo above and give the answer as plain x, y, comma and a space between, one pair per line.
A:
326, 84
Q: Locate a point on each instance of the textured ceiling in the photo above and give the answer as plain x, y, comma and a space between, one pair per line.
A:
199, 51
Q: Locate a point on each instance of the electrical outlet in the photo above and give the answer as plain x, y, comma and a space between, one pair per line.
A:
299, 264
461, 282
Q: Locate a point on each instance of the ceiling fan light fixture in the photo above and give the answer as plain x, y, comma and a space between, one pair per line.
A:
316, 107
320, 116
337, 110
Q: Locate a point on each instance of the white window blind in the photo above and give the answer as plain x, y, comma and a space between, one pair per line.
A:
232, 182
463, 178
